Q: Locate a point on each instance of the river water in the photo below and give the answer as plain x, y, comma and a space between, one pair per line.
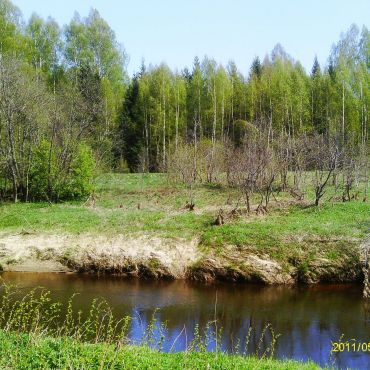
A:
308, 319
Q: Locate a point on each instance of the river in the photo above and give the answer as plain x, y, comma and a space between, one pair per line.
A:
308, 318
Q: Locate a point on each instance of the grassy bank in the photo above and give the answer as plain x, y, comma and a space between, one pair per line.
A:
309, 243
24, 351
132, 203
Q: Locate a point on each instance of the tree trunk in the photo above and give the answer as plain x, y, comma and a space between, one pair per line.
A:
177, 118
15, 190
343, 113
164, 126
223, 113
214, 114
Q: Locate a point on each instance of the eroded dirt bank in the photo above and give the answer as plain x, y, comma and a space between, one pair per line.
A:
154, 258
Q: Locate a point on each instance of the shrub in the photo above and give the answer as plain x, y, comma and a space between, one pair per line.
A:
52, 179
78, 182
40, 176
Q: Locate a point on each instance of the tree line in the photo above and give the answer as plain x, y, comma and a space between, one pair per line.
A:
163, 108
67, 105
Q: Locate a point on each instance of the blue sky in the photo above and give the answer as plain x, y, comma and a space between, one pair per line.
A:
176, 31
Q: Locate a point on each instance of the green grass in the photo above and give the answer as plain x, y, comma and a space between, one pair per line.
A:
299, 237
117, 199
24, 351
284, 228
152, 204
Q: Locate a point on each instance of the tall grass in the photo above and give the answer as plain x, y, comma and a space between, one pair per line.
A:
38, 332
38, 314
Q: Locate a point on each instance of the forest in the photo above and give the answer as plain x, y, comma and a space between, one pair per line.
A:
222, 189
69, 110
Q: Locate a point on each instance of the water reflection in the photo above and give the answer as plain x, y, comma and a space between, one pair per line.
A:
308, 318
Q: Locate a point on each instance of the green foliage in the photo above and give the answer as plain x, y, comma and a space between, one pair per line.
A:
10, 22
72, 87
44, 45
22, 351
59, 88
129, 142
41, 175
278, 97
50, 180
79, 180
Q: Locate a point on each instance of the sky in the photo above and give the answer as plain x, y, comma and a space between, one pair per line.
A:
176, 31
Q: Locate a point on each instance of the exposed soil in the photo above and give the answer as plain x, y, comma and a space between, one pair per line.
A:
155, 258
140, 256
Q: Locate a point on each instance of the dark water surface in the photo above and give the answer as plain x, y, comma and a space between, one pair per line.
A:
308, 319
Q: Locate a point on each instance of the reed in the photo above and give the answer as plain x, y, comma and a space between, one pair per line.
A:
35, 329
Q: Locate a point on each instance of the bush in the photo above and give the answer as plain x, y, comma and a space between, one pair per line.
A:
54, 180
78, 182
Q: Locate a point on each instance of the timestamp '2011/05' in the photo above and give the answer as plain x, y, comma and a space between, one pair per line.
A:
350, 346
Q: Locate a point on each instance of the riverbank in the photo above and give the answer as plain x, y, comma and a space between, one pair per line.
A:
151, 257
138, 226
25, 351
